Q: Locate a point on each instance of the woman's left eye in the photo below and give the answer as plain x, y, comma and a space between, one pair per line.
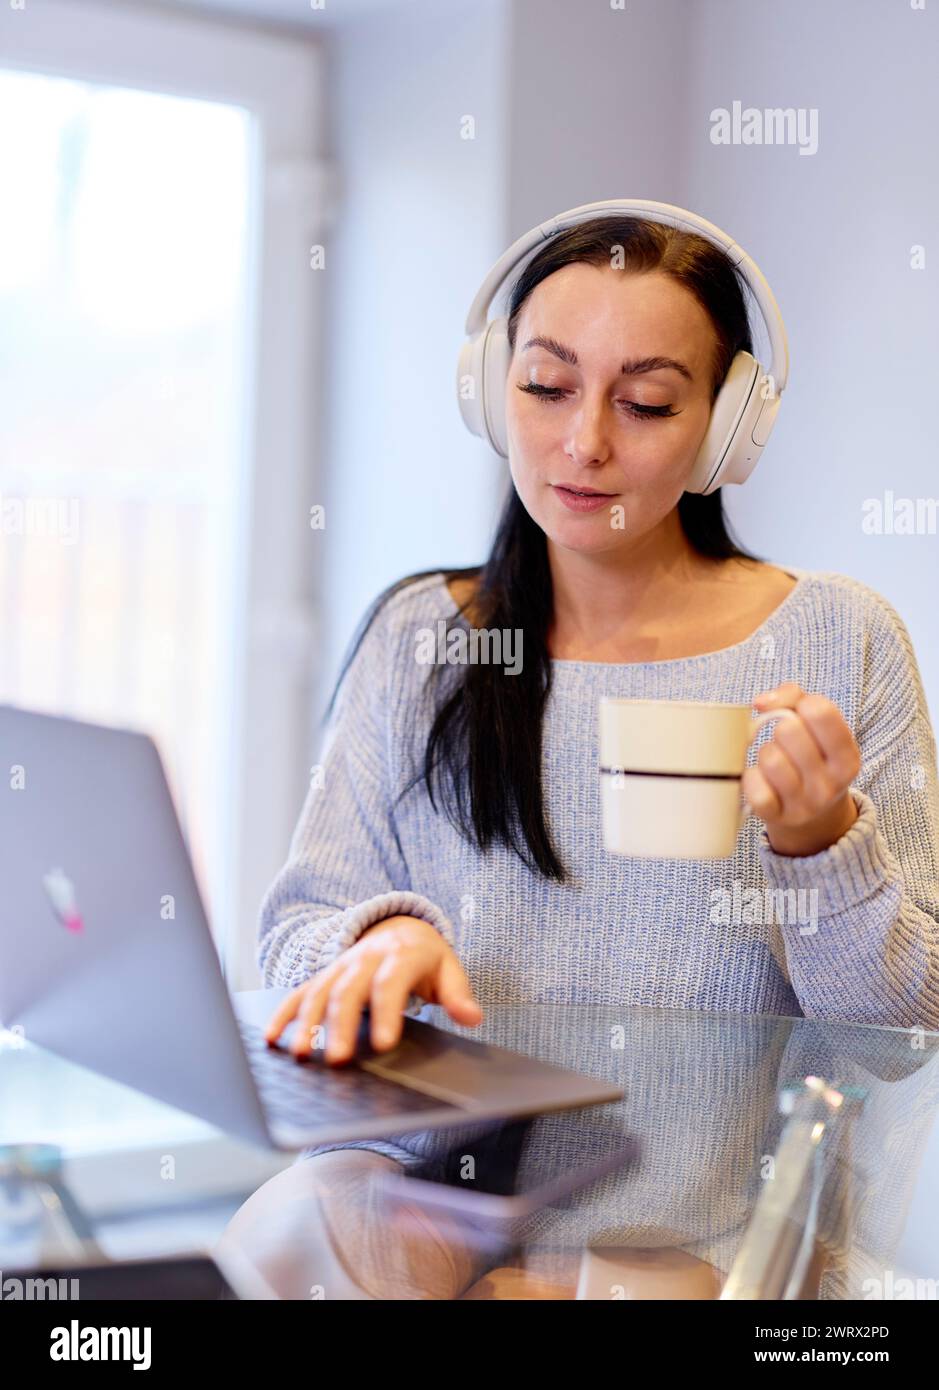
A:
639, 412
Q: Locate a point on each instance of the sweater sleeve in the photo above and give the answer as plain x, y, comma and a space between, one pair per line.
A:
868, 949
345, 869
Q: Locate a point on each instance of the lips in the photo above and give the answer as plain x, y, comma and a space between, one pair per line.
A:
583, 491
577, 500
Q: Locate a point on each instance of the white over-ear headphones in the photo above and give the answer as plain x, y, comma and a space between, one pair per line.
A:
746, 405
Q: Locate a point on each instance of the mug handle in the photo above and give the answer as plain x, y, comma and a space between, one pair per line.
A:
755, 727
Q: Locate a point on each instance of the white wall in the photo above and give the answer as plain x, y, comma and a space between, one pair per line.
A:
832, 232
422, 219
598, 102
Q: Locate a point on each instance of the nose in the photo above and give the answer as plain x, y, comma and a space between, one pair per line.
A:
588, 440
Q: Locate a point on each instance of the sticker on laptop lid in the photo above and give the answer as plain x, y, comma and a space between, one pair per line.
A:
61, 893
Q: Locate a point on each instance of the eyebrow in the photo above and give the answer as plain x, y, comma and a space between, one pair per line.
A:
636, 366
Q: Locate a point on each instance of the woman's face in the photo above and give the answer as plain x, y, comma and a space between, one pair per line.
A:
619, 420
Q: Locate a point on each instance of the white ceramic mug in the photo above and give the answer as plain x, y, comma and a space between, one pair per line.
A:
670, 774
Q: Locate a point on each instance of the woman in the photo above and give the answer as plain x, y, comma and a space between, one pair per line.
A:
451, 848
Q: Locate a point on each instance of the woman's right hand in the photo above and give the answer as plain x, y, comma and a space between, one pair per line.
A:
391, 960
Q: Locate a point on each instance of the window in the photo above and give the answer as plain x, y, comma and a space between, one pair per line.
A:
162, 186
121, 283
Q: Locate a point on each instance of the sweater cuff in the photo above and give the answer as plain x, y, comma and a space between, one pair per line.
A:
844, 874
353, 922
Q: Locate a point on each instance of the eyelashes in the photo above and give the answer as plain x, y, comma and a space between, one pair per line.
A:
553, 394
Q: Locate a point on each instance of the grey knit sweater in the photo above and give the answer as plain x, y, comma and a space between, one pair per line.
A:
856, 938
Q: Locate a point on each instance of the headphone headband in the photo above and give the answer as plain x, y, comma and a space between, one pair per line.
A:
670, 216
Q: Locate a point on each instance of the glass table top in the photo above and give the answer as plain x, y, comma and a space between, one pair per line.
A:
764, 1156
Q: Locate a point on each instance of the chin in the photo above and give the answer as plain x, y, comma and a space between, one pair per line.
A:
591, 539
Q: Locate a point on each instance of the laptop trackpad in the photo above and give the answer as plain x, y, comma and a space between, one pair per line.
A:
449, 1066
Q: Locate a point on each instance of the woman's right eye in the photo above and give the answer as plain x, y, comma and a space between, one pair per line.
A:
550, 393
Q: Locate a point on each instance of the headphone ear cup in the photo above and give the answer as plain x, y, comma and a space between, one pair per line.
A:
726, 447
470, 386
497, 355
484, 364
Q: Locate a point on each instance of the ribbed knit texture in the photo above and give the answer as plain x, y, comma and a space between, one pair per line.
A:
629, 931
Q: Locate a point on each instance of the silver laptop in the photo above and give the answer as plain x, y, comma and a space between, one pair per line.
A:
106, 958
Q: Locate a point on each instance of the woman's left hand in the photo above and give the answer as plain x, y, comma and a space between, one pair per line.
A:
800, 784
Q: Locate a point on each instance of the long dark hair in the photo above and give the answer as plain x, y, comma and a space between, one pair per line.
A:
483, 753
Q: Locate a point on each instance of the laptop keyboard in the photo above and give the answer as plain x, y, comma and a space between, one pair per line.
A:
313, 1092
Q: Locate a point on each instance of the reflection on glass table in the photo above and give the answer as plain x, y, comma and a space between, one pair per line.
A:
724, 1115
